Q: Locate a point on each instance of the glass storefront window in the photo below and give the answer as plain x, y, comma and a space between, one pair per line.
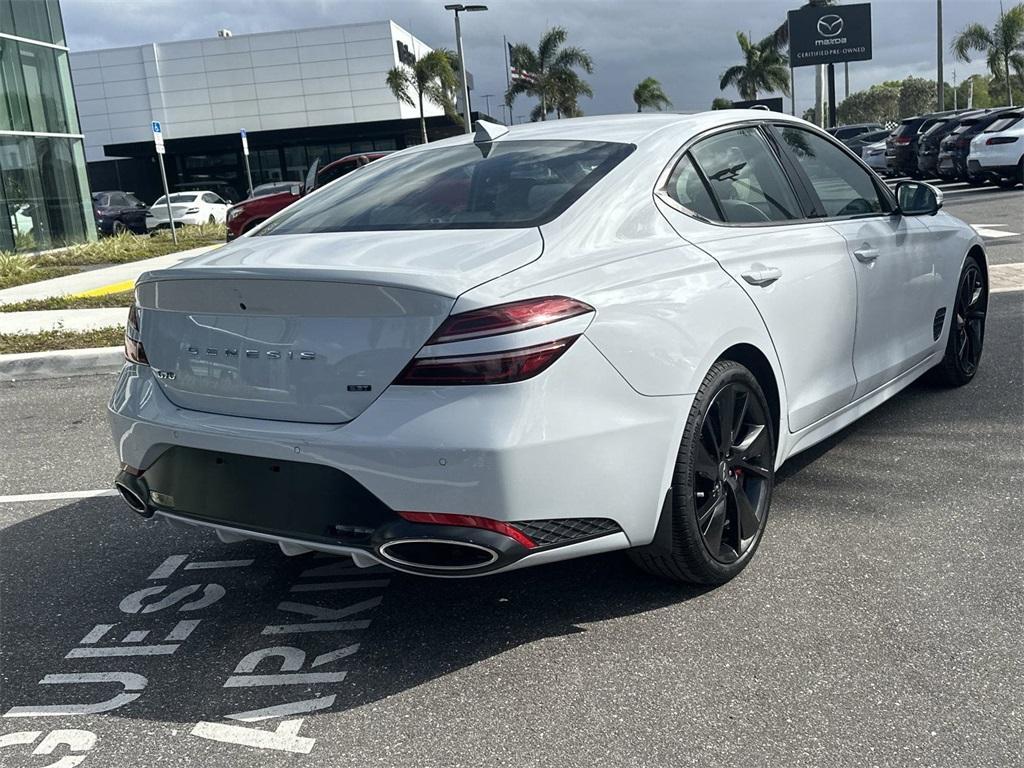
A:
33, 19
295, 163
35, 89
42, 193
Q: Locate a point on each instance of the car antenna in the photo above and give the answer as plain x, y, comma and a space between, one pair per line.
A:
486, 133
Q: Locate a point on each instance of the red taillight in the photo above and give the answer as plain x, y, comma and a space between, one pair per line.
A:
503, 367
507, 318
902, 140
134, 352
500, 366
1001, 140
469, 521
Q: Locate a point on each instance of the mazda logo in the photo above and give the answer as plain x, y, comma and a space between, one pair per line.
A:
830, 25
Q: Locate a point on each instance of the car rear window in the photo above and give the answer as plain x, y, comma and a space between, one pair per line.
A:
179, 197
506, 184
1003, 123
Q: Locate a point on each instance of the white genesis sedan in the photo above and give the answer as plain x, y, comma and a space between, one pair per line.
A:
532, 344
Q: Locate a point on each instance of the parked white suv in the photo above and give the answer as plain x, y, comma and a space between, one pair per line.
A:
198, 207
999, 150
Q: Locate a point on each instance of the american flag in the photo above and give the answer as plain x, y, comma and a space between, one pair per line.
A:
515, 72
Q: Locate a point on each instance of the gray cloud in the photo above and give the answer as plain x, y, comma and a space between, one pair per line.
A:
686, 44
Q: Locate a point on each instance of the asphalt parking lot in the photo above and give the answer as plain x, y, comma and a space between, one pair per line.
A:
881, 623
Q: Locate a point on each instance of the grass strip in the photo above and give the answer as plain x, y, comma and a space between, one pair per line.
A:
128, 247
120, 299
48, 341
35, 275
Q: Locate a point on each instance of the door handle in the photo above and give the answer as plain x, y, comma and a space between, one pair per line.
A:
762, 277
866, 255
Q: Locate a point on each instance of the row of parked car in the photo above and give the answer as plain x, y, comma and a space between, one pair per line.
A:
976, 146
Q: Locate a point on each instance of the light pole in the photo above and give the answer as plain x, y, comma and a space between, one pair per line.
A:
459, 8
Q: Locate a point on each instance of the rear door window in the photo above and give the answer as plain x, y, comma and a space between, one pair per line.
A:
843, 186
746, 179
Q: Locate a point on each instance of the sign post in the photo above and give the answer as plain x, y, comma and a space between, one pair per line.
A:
827, 35
158, 142
245, 154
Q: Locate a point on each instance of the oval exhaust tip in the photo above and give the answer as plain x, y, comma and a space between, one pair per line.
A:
438, 554
132, 499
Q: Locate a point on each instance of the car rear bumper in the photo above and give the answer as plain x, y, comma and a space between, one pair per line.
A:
154, 223
573, 444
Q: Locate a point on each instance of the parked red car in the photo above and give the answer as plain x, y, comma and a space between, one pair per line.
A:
255, 210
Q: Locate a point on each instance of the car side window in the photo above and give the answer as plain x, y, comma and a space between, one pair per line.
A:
686, 187
844, 188
746, 179
117, 200
211, 198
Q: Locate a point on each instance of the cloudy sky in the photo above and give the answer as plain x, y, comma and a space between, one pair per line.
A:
686, 44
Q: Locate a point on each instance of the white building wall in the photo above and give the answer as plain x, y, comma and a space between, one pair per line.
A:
274, 80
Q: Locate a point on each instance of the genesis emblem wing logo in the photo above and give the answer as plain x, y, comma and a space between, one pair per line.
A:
830, 25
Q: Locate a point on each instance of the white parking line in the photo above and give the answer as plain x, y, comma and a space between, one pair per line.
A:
59, 496
993, 230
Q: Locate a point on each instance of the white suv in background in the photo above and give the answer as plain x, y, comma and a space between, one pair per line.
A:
199, 207
999, 150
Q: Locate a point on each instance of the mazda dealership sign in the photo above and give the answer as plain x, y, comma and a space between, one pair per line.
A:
830, 34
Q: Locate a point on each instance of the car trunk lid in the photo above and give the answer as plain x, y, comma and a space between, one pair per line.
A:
310, 328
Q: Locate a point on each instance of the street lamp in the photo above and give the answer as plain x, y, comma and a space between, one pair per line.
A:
459, 8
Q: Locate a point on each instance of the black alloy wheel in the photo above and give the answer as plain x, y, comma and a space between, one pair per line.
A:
731, 472
966, 338
715, 513
969, 318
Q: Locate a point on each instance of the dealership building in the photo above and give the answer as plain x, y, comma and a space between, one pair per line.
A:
300, 95
44, 198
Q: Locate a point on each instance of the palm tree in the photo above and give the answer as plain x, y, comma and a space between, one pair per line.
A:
780, 38
1003, 45
432, 77
649, 93
720, 103
764, 69
550, 75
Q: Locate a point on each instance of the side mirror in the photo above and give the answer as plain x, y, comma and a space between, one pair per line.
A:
295, 190
915, 198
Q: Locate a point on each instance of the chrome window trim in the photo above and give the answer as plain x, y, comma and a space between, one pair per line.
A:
661, 185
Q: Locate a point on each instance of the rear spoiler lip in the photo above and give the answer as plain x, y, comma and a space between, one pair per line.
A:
423, 282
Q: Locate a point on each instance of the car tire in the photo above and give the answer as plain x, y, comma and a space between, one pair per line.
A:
966, 337
975, 181
718, 504
212, 219
118, 228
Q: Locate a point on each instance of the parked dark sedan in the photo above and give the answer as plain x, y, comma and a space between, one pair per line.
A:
846, 132
119, 212
861, 140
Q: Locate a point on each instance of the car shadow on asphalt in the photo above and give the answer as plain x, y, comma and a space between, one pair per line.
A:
57, 588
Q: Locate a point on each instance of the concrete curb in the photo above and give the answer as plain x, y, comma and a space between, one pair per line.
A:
57, 365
